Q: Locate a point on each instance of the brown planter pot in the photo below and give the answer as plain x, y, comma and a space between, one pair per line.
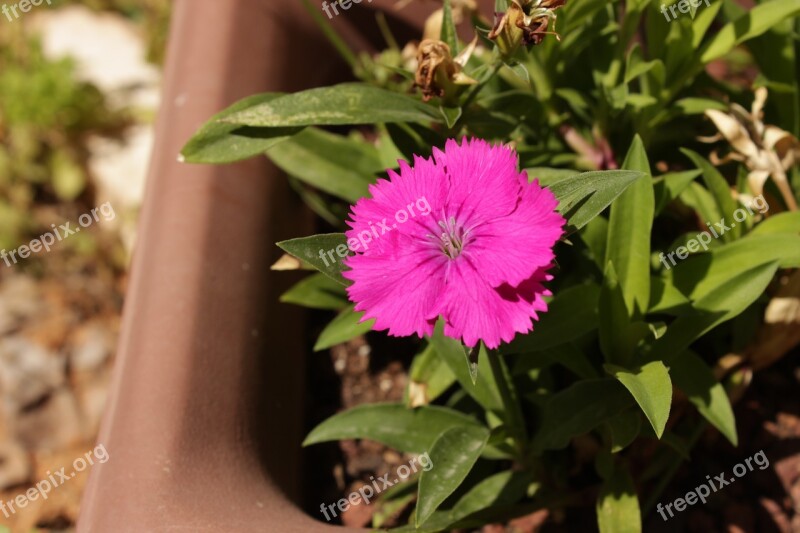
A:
205, 417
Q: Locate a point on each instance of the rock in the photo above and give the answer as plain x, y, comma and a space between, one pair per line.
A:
92, 345
15, 466
28, 372
52, 426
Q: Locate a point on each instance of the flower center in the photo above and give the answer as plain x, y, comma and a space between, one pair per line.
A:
452, 238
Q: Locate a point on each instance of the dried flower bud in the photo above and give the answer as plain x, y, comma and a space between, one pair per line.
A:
526, 22
438, 73
766, 151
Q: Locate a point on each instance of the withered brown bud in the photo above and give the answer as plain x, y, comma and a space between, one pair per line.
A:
438, 73
526, 22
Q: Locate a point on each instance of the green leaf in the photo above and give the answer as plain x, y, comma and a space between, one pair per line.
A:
578, 409
451, 115
720, 189
571, 313
549, 176
788, 222
512, 409
618, 505
701, 274
453, 455
218, 142
498, 490
595, 236
624, 429
670, 186
448, 34
651, 388
584, 196
567, 355
698, 106
698, 198
318, 292
629, 228
347, 325
347, 103
392, 424
331, 163
485, 390
691, 375
712, 309
429, 377
324, 252
666, 298
619, 335
751, 24
635, 67
703, 22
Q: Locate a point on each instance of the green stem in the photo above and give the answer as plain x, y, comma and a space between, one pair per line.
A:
332, 36
671, 470
474, 94
511, 405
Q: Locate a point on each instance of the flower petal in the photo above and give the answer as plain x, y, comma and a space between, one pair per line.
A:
400, 285
474, 310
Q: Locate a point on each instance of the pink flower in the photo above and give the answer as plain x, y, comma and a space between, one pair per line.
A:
462, 235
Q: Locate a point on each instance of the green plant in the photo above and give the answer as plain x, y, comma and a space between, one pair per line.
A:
622, 95
46, 115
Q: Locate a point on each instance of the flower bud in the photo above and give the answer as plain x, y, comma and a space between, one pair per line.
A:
525, 22
438, 73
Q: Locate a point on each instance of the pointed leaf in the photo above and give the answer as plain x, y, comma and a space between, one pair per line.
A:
392, 424
629, 230
317, 292
697, 381
218, 142
325, 252
332, 163
584, 196
578, 409
651, 388
453, 455
448, 33
571, 313
347, 325
347, 103
618, 504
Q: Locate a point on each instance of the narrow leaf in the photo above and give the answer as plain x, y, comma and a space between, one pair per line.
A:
318, 292
217, 142
697, 381
347, 325
651, 388
618, 504
578, 409
347, 103
584, 196
392, 424
629, 230
325, 252
453, 455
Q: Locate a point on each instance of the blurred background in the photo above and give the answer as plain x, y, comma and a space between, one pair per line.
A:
79, 91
